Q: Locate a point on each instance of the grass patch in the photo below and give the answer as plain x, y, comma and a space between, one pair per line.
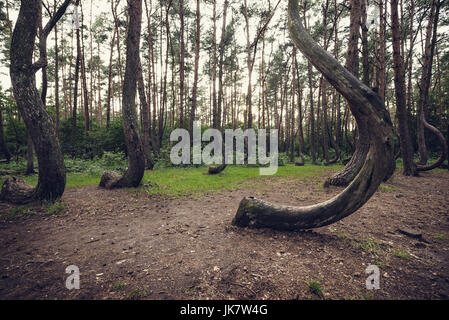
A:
441, 236
379, 263
74, 180
17, 212
370, 245
138, 294
315, 288
385, 188
196, 181
119, 286
402, 254
56, 208
367, 296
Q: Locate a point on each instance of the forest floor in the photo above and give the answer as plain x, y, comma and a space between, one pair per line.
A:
134, 245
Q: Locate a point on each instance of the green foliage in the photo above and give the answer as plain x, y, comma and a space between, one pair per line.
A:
138, 294
14, 129
315, 288
119, 286
402, 254
91, 145
17, 212
56, 208
371, 245
80, 172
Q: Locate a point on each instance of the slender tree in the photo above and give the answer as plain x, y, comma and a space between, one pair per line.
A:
401, 107
134, 174
196, 67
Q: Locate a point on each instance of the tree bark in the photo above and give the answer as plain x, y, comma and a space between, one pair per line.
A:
181, 66
57, 106
424, 93
424, 87
214, 69
401, 103
197, 61
75, 91
352, 168
108, 101
149, 164
84, 81
220, 67
30, 156
52, 173
2, 138
378, 163
136, 169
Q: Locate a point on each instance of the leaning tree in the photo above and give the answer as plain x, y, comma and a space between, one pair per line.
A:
379, 162
134, 146
52, 173
424, 86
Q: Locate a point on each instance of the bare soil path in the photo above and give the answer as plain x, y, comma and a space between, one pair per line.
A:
129, 245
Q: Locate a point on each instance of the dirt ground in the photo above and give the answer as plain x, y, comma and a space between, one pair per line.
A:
129, 245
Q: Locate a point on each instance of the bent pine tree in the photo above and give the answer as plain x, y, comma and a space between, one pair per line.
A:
378, 164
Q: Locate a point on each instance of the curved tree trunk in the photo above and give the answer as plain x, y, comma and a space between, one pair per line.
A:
52, 174
443, 147
136, 169
424, 85
378, 163
424, 92
344, 177
352, 168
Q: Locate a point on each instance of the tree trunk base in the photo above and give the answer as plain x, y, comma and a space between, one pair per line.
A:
443, 147
217, 170
17, 191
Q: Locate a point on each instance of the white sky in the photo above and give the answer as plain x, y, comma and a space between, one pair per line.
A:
103, 6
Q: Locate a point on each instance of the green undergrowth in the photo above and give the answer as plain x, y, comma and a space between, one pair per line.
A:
48, 208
